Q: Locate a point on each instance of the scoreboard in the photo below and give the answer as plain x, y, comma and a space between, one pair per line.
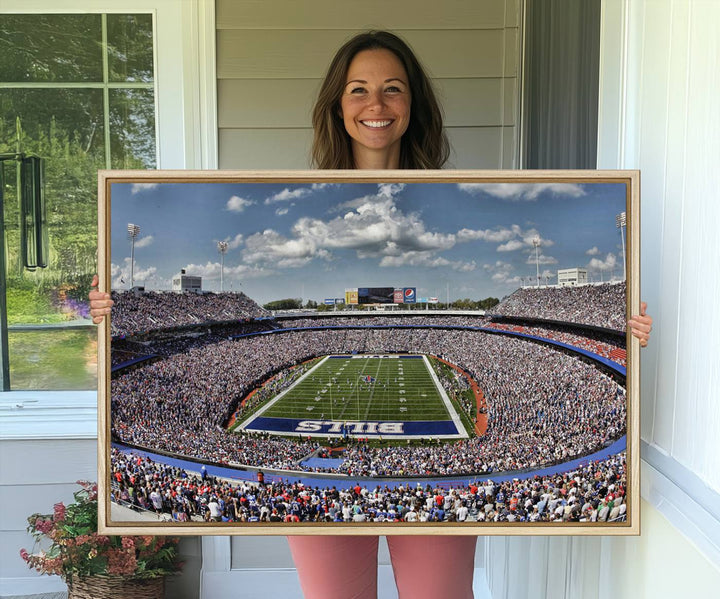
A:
375, 295
380, 295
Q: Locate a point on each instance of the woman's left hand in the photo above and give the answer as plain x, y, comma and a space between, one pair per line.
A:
641, 324
100, 302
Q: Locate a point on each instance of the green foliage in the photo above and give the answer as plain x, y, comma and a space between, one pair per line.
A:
27, 303
284, 304
488, 303
68, 357
71, 197
468, 304
66, 127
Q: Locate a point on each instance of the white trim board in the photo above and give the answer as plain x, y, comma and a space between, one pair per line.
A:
688, 504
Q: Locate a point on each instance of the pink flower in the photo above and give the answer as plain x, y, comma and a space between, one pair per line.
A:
43, 526
25, 555
128, 543
53, 565
59, 509
121, 562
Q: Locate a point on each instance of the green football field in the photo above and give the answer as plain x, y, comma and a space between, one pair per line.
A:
399, 388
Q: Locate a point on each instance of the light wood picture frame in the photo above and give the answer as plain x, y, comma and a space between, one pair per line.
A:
382, 390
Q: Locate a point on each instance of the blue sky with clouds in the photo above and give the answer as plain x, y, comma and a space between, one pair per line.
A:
315, 240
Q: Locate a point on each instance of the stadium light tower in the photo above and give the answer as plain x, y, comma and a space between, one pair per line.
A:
536, 243
222, 247
133, 232
620, 222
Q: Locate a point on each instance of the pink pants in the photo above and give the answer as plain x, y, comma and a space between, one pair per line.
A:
345, 567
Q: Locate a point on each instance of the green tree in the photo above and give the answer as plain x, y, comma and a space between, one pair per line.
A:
284, 304
66, 127
488, 303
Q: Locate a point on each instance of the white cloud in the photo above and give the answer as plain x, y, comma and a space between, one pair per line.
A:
389, 190
608, 263
211, 271
502, 272
143, 242
465, 266
141, 187
496, 236
593, 251
372, 226
522, 191
238, 204
235, 242
510, 239
531, 235
282, 211
511, 246
426, 259
120, 274
288, 194
541, 259
271, 247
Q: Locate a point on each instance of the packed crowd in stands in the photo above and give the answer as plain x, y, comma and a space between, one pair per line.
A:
597, 305
607, 346
544, 406
140, 312
603, 344
591, 493
167, 343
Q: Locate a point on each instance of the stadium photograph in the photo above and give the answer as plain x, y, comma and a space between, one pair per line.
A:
307, 354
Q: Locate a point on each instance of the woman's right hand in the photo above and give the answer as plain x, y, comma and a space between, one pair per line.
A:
100, 302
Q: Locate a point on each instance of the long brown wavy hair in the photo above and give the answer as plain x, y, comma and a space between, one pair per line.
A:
423, 146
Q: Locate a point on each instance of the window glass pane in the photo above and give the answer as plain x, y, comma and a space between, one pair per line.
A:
65, 127
54, 359
52, 343
37, 48
132, 128
48, 117
130, 47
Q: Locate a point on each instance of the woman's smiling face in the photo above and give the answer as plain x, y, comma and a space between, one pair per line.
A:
375, 107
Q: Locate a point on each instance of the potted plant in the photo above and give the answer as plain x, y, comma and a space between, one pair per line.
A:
96, 566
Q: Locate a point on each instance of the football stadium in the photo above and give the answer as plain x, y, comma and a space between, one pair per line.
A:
224, 412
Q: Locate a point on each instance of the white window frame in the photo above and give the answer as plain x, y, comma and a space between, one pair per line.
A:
186, 136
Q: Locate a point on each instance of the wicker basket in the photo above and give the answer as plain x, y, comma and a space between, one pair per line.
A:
116, 587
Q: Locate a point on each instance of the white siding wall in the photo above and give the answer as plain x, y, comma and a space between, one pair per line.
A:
660, 81
271, 57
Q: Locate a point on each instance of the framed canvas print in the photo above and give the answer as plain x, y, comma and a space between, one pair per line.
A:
366, 352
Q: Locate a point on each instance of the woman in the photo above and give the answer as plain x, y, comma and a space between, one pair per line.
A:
377, 110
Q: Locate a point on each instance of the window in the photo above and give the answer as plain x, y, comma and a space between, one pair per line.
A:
78, 90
